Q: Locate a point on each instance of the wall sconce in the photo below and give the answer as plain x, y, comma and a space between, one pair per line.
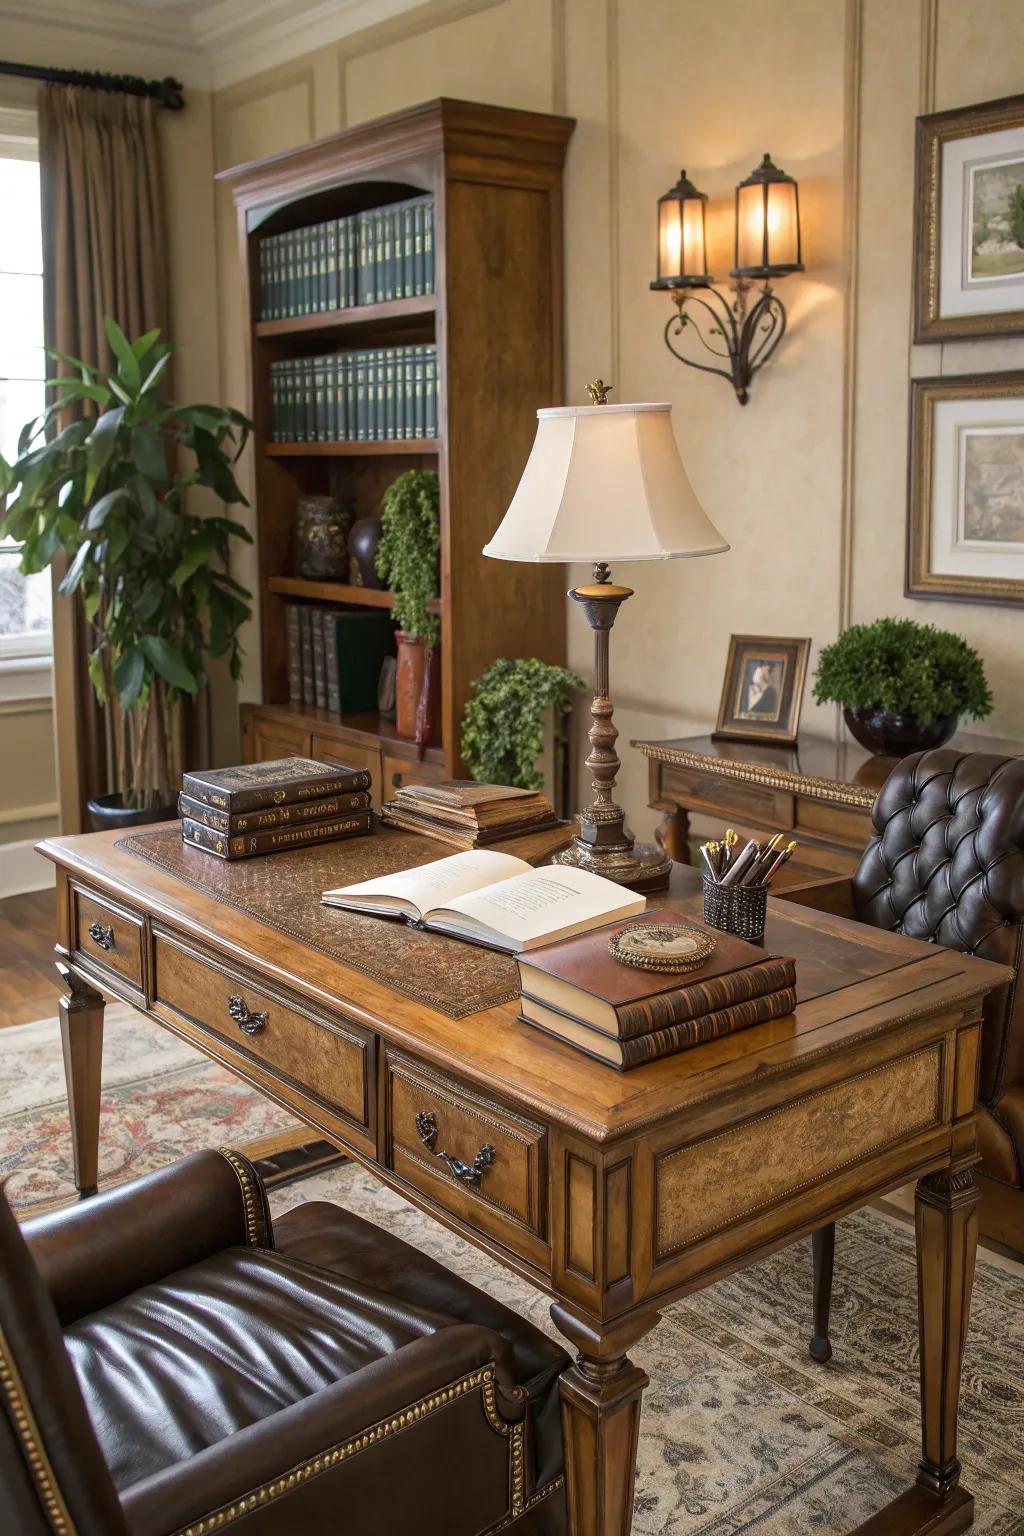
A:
767, 246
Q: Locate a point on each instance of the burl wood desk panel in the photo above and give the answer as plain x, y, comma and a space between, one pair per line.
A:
615, 1192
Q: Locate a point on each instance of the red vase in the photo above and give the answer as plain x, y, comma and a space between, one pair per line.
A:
417, 690
412, 668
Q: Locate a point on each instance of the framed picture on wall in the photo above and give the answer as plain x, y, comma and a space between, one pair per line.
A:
763, 689
966, 521
969, 242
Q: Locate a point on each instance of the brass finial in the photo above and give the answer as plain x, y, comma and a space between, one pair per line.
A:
598, 391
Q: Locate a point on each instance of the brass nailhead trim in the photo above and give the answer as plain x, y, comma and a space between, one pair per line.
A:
27, 1431
325, 1460
255, 1223
516, 1449
538, 1498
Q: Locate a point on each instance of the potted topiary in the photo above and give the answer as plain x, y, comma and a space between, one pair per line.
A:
903, 686
105, 489
408, 559
503, 722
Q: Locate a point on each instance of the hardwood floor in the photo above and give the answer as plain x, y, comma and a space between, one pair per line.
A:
28, 981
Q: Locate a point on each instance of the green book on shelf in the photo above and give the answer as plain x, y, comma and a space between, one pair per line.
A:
428, 247
361, 640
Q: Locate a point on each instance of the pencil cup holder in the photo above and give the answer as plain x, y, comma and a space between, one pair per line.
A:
739, 909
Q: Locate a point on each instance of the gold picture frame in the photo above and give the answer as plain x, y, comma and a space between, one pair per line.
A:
966, 159
763, 689
965, 528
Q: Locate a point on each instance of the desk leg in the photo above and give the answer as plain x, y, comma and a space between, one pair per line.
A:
672, 835
600, 1426
81, 1034
947, 1240
947, 1237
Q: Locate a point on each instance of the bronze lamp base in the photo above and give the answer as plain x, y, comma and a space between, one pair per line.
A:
603, 843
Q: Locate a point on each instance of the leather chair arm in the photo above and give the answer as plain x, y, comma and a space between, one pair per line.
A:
296, 1469
93, 1253
834, 894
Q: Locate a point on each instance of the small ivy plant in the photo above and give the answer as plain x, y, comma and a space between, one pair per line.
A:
904, 667
408, 555
503, 722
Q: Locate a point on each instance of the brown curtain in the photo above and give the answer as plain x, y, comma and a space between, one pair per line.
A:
104, 253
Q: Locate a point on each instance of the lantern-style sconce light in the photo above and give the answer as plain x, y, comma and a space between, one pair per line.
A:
767, 246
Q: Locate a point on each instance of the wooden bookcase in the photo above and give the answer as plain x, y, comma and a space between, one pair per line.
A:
496, 318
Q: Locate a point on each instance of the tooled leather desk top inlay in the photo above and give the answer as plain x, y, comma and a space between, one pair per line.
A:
283, 891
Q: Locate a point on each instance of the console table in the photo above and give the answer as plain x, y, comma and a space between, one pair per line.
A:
617, 1193
819, 792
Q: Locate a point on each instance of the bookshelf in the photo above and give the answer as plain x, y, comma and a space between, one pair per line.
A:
495, 318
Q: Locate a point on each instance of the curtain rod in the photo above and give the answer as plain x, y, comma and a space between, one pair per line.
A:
166, 93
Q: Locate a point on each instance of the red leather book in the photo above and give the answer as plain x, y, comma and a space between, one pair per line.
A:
580, 979
623, 1054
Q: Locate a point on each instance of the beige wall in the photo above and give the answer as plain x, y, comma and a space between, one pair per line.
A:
770, 475
808, 482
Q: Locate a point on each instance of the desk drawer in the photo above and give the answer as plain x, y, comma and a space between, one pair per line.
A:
318, 1059
434, 1121
716, 793
108, 935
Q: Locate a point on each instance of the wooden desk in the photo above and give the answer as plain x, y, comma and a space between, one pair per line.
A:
616, 1193
820, 792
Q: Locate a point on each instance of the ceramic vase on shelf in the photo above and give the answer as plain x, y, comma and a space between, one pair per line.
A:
416, 689
364, 536
321, 538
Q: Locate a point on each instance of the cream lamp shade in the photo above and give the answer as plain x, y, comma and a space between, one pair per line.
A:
604, 482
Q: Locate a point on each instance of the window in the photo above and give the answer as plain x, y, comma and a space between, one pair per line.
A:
24, 600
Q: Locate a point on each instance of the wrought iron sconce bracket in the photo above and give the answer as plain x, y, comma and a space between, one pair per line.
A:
740, 337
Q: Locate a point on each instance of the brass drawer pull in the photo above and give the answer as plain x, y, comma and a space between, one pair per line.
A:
426, 1129
249, 1023
101, 935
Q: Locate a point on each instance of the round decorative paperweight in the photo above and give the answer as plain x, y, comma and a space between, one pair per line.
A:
661, 947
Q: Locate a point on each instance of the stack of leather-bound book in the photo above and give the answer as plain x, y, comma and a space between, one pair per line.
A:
465, 814
578, 991
273, 807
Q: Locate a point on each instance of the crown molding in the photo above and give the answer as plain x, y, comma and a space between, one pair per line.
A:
207, 46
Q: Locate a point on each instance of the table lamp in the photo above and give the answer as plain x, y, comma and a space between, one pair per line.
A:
602, 483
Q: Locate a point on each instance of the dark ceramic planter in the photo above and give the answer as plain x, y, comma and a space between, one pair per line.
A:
109, 811
894, 735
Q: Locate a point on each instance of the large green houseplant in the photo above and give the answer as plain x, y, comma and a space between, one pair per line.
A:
503, 722
101, 479
408, 559
903, 685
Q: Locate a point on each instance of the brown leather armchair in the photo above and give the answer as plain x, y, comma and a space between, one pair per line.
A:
171, 1362
946, 864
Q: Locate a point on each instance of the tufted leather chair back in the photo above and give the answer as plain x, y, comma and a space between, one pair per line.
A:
946, 863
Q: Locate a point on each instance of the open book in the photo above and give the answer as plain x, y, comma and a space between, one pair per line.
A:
493, 899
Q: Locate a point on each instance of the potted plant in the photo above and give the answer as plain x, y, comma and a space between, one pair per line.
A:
408, 559
101, 479
503, 722
903, 686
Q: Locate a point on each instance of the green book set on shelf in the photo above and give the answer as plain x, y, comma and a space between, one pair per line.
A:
338, 667
365, 258
384, 394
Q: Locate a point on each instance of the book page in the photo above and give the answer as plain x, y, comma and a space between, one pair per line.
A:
534, 908
431, 885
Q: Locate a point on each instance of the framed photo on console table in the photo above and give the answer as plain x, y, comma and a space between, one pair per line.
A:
965, 536
763, 689
969, 242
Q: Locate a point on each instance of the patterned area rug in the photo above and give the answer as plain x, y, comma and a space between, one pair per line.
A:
742, 1434
161, 1099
